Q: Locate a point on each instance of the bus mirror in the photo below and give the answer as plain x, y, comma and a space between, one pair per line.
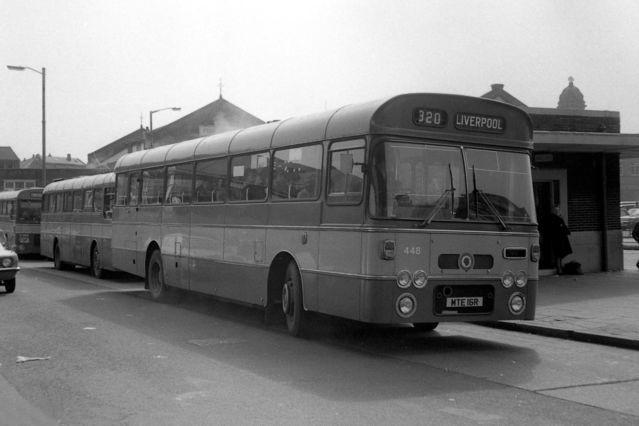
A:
346, 163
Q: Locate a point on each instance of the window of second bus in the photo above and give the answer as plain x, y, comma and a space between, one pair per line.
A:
249, 177
210, 181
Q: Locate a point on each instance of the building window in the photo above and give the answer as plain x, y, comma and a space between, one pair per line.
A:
634, 169
15, 184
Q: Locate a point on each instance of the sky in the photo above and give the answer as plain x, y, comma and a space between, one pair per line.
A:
108, 63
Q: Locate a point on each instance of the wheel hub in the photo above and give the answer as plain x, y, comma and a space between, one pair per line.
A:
286, 298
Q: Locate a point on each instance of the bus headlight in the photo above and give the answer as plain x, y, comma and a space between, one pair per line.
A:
420, 279
521, 279
404, 279
406, 305
517, 303
6, 262
508, 279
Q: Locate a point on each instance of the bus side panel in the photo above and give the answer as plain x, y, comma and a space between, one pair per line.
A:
339, 252
207, 247
175, 244
148, 229
243, 274
124, 243
101, 232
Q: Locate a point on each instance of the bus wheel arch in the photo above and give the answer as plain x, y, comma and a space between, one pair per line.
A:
285, 292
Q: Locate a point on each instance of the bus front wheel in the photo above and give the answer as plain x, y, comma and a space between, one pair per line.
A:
10, 285
292, 300
155, 277
425, 326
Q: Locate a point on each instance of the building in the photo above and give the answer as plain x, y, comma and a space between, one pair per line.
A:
8, 158
28, 173
217, 117
576, 166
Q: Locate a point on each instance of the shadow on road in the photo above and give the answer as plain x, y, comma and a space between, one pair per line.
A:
339, 359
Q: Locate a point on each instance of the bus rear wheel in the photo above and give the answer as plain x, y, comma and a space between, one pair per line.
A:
292, 300
10, 285
96, 267
155, 277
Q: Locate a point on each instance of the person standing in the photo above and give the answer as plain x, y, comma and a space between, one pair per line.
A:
556, 232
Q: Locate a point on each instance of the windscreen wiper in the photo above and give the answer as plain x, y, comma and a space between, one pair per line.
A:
489, 203
441, 200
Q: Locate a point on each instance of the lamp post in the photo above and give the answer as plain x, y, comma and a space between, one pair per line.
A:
43, 73
151, 120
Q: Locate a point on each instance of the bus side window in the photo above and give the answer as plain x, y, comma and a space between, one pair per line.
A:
88, 200
297, 173
109, 197
346, 176
98, 200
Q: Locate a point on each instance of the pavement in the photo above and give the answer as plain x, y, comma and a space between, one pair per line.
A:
599, 307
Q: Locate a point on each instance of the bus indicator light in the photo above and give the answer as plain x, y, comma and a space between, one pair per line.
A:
535, 253
388, 250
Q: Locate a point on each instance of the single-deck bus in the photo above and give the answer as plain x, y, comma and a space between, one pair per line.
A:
413, 209
20, 220
76, 222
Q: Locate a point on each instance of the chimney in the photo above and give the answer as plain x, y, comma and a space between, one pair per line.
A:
68, 157
498, 87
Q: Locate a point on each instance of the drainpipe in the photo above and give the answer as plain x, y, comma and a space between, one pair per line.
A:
604, 214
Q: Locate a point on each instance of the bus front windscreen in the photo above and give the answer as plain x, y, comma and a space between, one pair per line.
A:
437, 182
29, 211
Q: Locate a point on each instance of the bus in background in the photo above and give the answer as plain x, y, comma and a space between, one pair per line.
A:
20, 220
413, 209
76, 222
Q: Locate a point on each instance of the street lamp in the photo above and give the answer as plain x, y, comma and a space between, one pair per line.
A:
151, 120
43, 73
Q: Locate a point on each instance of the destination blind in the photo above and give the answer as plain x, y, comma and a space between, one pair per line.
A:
479, 123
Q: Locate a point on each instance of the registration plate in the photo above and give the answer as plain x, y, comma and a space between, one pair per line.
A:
464, 302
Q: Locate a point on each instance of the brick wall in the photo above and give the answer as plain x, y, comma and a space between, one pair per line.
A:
585, 192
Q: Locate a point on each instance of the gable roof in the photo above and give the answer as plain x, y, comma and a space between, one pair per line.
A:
498, 93
216, 117
7, 153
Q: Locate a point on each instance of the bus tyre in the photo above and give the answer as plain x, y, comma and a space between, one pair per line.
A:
292, 301
425, 326
96, 267
10, 285
155, 277
635, 232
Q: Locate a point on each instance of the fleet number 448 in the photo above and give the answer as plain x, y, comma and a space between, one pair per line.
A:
413, 250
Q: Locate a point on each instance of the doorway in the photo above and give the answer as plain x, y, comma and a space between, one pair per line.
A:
549, 189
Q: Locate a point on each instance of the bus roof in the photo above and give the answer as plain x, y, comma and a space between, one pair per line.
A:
20, 193
392, 116
81, 182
